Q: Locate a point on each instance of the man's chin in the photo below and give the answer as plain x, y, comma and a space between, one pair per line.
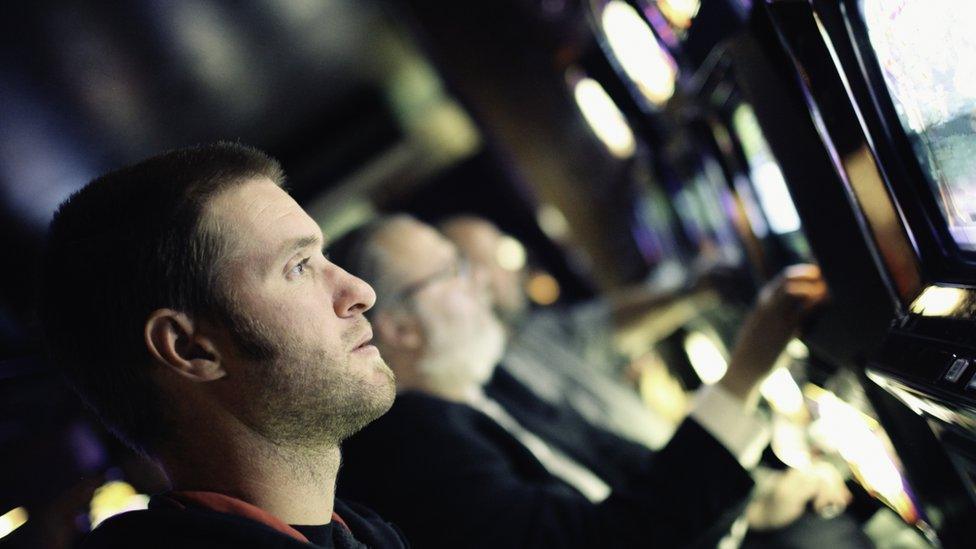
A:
384, 392
484, 373
378, 403
383, 373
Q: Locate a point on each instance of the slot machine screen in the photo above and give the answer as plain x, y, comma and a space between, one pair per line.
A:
768, 184
927, 54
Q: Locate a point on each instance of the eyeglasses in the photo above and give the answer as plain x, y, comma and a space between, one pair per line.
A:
459, 268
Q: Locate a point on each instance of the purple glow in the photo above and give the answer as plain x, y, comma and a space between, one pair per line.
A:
84, 445
647, 241
661, 27
40, 165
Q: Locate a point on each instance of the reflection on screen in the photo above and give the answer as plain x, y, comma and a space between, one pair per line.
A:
927, 53
774, 197
864, 445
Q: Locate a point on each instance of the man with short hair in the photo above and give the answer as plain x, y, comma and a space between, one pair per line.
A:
189, 301
454, 469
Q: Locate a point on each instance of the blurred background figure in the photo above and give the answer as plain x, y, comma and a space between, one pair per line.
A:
478, 435
567, 356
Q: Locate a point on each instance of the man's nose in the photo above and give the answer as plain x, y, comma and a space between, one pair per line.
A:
480, 281
480, 278
353, 295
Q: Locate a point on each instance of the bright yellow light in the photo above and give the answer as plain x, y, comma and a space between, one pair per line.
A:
771, 189
706, 357
797, 349
552, 221
510, 254
543, 289
679, 12
775, 198
854, 436
816, 394
603, 116
938, 301
12, 520
859, 446
782, 392
661, 391
115, 497
789, 443
638, 52
858, 438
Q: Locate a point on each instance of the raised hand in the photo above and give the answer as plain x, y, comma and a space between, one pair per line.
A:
773, 321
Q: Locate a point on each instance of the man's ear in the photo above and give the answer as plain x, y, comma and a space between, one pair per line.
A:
177, 342
398, 330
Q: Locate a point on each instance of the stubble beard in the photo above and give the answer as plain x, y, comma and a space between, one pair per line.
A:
303, 395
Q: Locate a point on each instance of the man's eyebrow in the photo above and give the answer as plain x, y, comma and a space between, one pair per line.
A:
300, 243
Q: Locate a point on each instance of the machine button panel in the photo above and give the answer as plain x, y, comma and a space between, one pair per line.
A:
956, 370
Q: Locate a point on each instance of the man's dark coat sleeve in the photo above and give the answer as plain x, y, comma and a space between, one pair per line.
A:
450, 477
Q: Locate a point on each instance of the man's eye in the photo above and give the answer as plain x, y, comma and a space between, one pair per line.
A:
301, 267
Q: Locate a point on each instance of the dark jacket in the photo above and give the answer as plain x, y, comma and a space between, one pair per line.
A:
167, 526
614, 459
449, 476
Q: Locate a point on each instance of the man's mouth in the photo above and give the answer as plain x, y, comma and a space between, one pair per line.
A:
364, 341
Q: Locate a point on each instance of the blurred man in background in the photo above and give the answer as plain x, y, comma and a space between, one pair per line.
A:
454, 468
567, 356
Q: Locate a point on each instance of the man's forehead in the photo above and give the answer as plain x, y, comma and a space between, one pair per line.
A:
414, 246
476, 238
477, 229
251, 199
262, 214
408, 237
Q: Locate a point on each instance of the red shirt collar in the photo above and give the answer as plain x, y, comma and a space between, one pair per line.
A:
233, 506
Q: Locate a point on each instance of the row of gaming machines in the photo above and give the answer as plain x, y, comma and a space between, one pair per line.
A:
841, 133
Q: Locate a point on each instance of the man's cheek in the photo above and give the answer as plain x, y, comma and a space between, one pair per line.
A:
462, 307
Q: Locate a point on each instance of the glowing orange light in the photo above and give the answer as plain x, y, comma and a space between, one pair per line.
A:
543, 289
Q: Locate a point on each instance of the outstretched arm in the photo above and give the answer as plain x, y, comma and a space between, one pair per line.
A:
773, 321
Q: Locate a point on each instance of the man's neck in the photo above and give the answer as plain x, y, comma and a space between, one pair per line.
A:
463, 393
467, 394
295, 484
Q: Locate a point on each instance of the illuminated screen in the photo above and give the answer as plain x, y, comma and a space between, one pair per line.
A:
927, 53
774, 197
768, 182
